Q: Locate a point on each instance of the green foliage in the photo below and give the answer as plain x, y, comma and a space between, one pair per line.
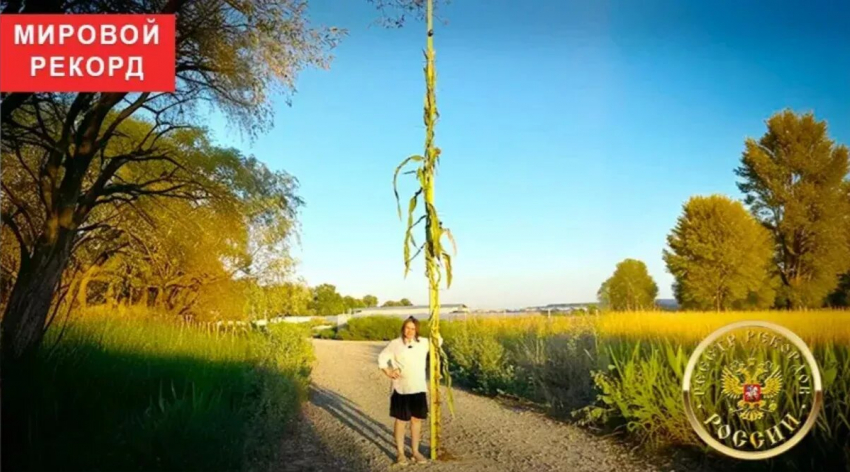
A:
720, 257
352, 303
375, 328
794, 179
478, 358
537, 362
105, 151
370, 301
642, 389
841, 296
119, 394
326, 301
393, 303
279, 299
291, 298
371, 328
181, 254
556, 366
630, 288
330, 333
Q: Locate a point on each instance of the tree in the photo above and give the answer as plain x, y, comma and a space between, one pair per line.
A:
793, 178
232, 55
841, 296
352, 303
629, 288
394, 303
326, 301
370, 301
72, 137
295, 298
180, 255
720, 256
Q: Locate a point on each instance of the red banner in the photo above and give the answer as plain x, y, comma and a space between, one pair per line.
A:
87, 53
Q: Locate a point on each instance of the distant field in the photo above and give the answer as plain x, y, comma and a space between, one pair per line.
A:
815, 327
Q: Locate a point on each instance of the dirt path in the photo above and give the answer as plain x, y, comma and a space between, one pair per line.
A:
346, 426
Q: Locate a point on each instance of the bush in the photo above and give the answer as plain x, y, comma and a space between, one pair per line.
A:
329, 333
373, 328
557, 369
144, 395
477, 359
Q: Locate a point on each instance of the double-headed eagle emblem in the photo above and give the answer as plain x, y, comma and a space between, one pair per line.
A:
756, 394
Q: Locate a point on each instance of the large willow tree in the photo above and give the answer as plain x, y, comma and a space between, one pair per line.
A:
234, 55
436, 258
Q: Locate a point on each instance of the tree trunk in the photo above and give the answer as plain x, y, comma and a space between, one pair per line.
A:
159, 301
110, 296
32, 296
82, 295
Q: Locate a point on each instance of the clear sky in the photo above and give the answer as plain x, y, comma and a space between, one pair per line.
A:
572, 132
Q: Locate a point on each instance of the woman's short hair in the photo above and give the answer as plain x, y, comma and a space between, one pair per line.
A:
415, 324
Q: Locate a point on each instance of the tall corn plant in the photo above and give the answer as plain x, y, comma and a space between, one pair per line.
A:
436, 258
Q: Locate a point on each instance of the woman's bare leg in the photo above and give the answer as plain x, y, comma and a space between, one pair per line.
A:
415, 431
398, 429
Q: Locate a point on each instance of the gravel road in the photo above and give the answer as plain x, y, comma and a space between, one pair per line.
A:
346, 426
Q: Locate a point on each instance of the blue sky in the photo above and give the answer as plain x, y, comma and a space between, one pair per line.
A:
572, 132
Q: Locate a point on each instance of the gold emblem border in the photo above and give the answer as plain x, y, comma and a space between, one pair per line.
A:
817, 403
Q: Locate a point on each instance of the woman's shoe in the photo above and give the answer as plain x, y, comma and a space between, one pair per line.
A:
420, 460
402, 461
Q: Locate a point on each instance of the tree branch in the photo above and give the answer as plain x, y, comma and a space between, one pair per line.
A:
125, 113
20, 207
9, 220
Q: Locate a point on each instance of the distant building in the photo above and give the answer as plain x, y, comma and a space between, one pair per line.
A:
558, 308
419, 312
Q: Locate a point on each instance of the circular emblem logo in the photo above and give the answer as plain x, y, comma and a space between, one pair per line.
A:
752, 390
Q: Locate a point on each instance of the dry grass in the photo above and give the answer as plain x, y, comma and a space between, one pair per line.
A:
815, 327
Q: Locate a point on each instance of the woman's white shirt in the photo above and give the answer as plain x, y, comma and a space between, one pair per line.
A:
410, 359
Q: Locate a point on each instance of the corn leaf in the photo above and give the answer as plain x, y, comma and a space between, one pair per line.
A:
395, 178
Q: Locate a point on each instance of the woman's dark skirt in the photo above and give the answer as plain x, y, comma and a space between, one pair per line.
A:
403, 407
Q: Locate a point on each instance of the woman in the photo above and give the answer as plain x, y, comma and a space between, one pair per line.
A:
403, 361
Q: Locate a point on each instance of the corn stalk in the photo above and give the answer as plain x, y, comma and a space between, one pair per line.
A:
436, 258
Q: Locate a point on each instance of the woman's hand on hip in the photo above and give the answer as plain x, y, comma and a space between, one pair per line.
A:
392, 373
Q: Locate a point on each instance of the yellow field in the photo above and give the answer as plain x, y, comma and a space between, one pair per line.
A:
815, 327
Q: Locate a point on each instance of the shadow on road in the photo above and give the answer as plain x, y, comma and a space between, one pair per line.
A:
353, 417
349, 414
307, 449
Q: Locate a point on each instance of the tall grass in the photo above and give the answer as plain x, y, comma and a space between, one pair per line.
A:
130, 394
623, 371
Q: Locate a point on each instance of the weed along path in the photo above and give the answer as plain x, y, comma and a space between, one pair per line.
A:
346, 426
